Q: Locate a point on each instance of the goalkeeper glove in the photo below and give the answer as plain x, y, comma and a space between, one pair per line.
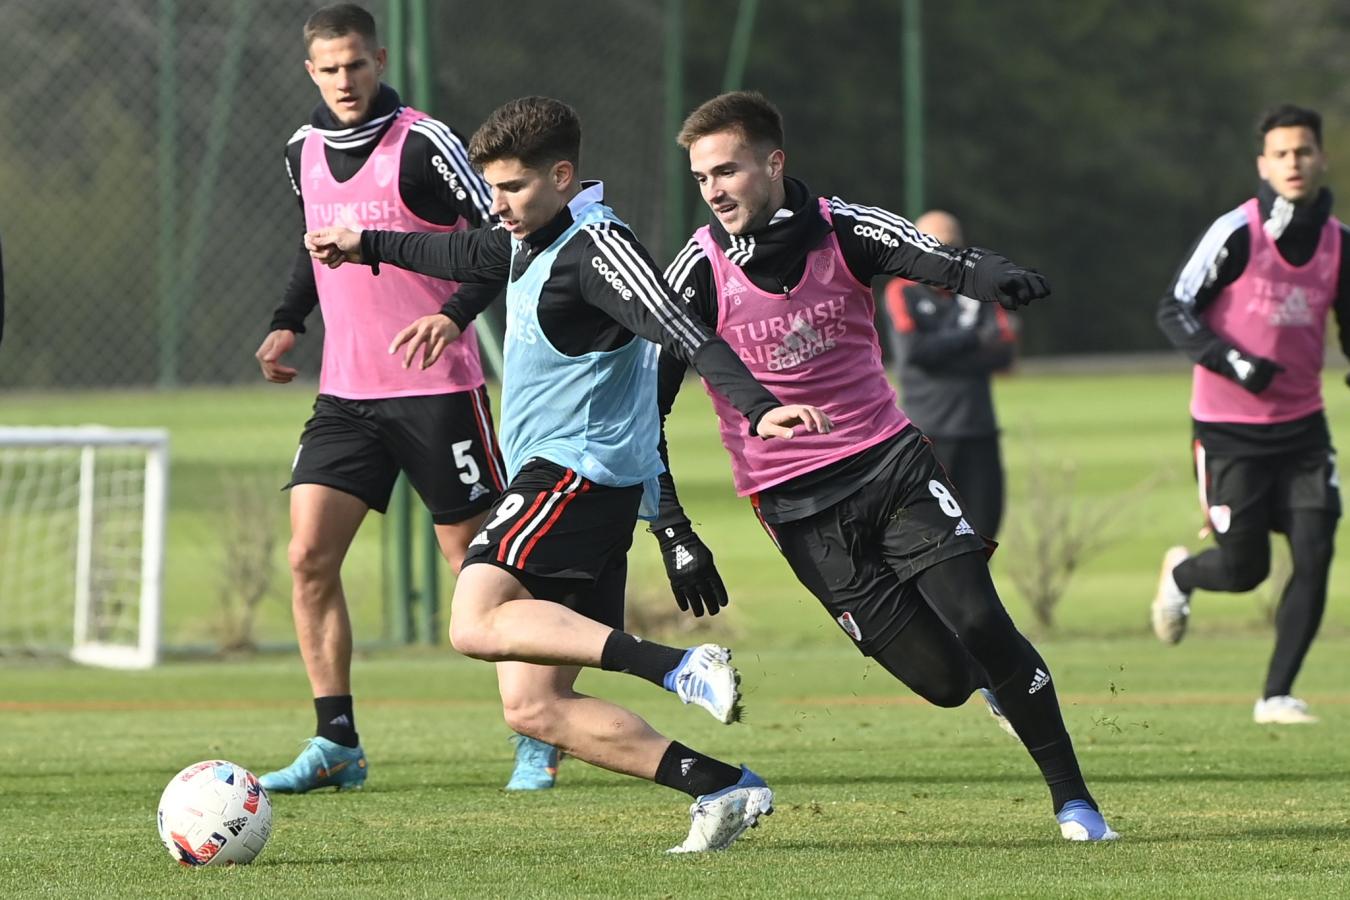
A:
694, 579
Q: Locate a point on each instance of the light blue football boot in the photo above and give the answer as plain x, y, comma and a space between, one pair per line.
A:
1078, 821
706, 678
321, 764
536, 765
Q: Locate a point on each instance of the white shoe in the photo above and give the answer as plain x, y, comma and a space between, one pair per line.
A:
706, 677
1283, 710
717, 819
996, 712
1171, 606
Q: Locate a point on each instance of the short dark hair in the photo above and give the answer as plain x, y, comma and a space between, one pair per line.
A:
537, 131
340, 21
1287, 115
749, 112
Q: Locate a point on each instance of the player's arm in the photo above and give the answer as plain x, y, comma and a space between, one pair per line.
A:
1214, 261
619, 277
300, 297
876, 242
481, 255
1341, 305
439, 185
694, 580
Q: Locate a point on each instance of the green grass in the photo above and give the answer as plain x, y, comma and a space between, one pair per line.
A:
878, 794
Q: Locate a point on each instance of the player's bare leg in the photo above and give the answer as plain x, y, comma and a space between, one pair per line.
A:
454, 538
542, 702
324, 522
494, 617
536, 763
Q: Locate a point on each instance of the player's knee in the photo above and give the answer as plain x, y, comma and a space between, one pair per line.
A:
531, 716
311, 564
948, 695
1245, 571
474, 640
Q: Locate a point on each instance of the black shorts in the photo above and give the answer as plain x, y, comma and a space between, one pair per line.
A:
445, 442
860, 556
1245, 494
564, 537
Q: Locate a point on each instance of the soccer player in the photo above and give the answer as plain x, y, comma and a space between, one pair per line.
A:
542, 588
366, 157
1249, 307
948, 346
864, 515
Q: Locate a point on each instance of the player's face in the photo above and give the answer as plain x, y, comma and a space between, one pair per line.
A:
1292, 162
739, 184
524, 198
347, 73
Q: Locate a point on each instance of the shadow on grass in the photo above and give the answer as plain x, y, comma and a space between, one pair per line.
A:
1022, 778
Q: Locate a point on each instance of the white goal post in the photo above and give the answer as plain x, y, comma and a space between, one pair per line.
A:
82, 513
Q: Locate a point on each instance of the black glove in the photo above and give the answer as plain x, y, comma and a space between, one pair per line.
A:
1347, 379
1254, 373
689, 566
1013, 286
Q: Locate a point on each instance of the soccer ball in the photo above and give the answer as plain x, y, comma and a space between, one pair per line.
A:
214, 813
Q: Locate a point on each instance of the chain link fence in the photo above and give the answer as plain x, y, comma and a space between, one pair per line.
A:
148, 222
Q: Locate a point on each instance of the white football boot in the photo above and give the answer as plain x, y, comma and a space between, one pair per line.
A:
1283, 710
1171, 608
717, 819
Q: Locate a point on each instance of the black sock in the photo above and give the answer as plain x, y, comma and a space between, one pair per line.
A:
1041, 726
625, 653
337, 722
692, 772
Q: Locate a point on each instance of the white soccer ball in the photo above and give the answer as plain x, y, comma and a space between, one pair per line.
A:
214, 813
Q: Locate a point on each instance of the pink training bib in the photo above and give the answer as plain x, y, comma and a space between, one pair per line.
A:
815, 345
361, 311
1278, 311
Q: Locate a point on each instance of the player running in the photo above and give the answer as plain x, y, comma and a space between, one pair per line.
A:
542, 588
366, 157
864, 515
1249, 307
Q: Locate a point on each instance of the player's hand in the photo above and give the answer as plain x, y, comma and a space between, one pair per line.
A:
274, 346
334, 245
1347, 379
432, 334
782, 421
1017, 287
1253, 373
694, 579
1013, 286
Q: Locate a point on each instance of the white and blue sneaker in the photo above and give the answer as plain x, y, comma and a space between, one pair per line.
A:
1078, 821
706, 677
997, 712
717, 819
536, 765
322, 763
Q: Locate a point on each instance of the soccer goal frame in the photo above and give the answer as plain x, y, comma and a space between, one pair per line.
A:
142, 650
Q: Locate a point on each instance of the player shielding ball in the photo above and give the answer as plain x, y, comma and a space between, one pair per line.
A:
542, 588
367, 154
864, 515
1249, 307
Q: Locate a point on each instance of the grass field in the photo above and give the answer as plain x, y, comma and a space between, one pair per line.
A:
878, 794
